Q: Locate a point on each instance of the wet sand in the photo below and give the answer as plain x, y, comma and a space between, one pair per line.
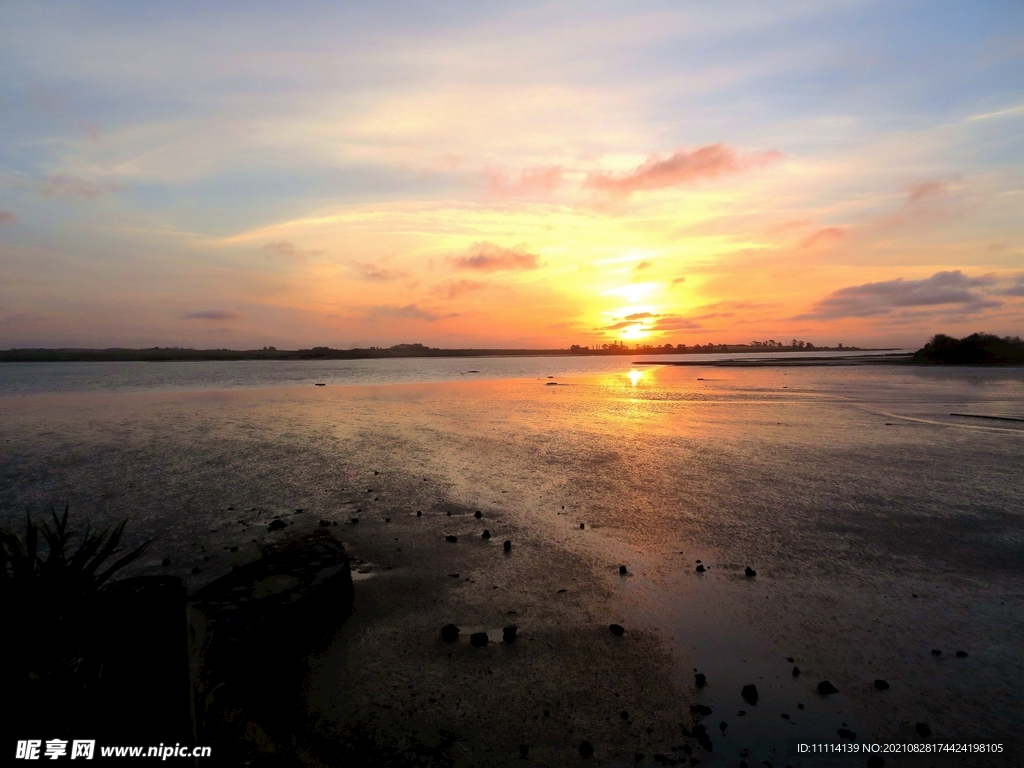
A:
847, 495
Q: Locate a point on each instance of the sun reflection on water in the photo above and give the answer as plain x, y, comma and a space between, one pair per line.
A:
635, 376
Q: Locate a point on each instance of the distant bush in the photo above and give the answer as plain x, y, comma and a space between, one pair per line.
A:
976, 349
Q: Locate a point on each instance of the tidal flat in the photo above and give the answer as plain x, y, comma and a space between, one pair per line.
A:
881, 529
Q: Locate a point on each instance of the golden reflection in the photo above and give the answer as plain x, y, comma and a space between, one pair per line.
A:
635, 376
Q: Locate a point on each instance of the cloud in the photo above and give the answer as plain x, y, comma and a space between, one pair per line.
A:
953, 290
645, 264
674, 323
618, 326
288, 249
823, 237
211, 314
678, 280
682, 167
64, 187
6, 217
454, 288
640, 316
532, 182
925, 190
410, 312
488, 257
375, 274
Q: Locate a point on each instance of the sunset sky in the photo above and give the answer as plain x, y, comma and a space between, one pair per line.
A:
218, 174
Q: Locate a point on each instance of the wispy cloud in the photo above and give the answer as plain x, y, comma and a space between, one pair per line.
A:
823, 237
211, 314
66, 187
410, 312
452, 289
682, 167
926, 190
289, 250
949, 290
641, 265
6, 217
488, 257
531, 182
374, 273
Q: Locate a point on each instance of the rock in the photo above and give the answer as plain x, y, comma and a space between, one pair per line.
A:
419, 513
616, 629
196, 570
624, 715
699, 710
583, 526
700, 569
722, 726
846, 733
299, 511
507, 545
586, 750
165, 562
789, 659
825, 688
936, 652
749, 694
622, 570
449, 633
796, 671
324, 523
961, 654
276, 525
799, 706
749, 572
486, 534
355, 520
478, 514
923, 730
508, 634
478, 639
638, 757
700, 733
881, 685
524, 751
452, 539
876, 761
700, 680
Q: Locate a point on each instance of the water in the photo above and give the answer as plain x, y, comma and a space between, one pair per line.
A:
849, 490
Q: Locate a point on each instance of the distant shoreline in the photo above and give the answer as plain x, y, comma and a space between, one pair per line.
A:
898, 358
168, 354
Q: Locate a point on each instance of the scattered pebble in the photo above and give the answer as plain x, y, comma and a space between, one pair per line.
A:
936, 652
508, 634
785, 716
700, 569
449, 633
790, 659
276, 525
825, 688
165, 562
750, 694
355, 520
478, 639
196, 570
799, 706
486, 534
451, 538
700, 680
961, 654
419, 513
881, 685
583, 527
586, 750
623, 572
796, 671
324, 523
478, 514
749, 572
524, 751
507, 545
616, 629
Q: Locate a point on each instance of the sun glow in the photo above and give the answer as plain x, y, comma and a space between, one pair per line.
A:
635, 377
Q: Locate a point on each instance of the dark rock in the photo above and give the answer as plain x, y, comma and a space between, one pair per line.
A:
486, 534
449, 633
936, 652
508, 634
583, 526
507, 545
355, 520
923, 730
561, 591
454, 575
750, 694
784, 716
789, 659
825, 688
742, 713
622, 570
799, 706
419, 513
700, 733
638, 757
796, 671
701, 569
478, 639
165, 562
478, 514
624, 715
846, 733
699, 710
700, 680
881, 685
452, 539
387, 519
276, 525
299, 511
616, 629
524, 751
961, 654
722, 726
586, 750
324, 523
749, 572
196, 570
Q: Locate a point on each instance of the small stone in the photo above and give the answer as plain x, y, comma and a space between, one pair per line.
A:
233, 549
699, 710
586, 750
622, 570
700, 733
419, 513
846, 733
524, 751
196, 570
881, 685
324, 523
276, 525
700, 569
799, 706
454, 575
478, 639
355, 520
638, 757
451, 538
749, 572
448, 513
508, 634
825, 688
749, 694
583, 527
165, 562
789, 659
923, 730
785, 716
507, 545
722, 726
742, 713
700, 680
961, 654
796, 671
299, 511
449, 633
387, 519
936, 652
616, 629
478, 514
486, 534
624, 715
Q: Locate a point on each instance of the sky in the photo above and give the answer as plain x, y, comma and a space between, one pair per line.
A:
247, 174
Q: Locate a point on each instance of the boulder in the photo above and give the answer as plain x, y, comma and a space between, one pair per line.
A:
749, 694
508, 634
478, 639
449, 633
825, 688
616, 629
